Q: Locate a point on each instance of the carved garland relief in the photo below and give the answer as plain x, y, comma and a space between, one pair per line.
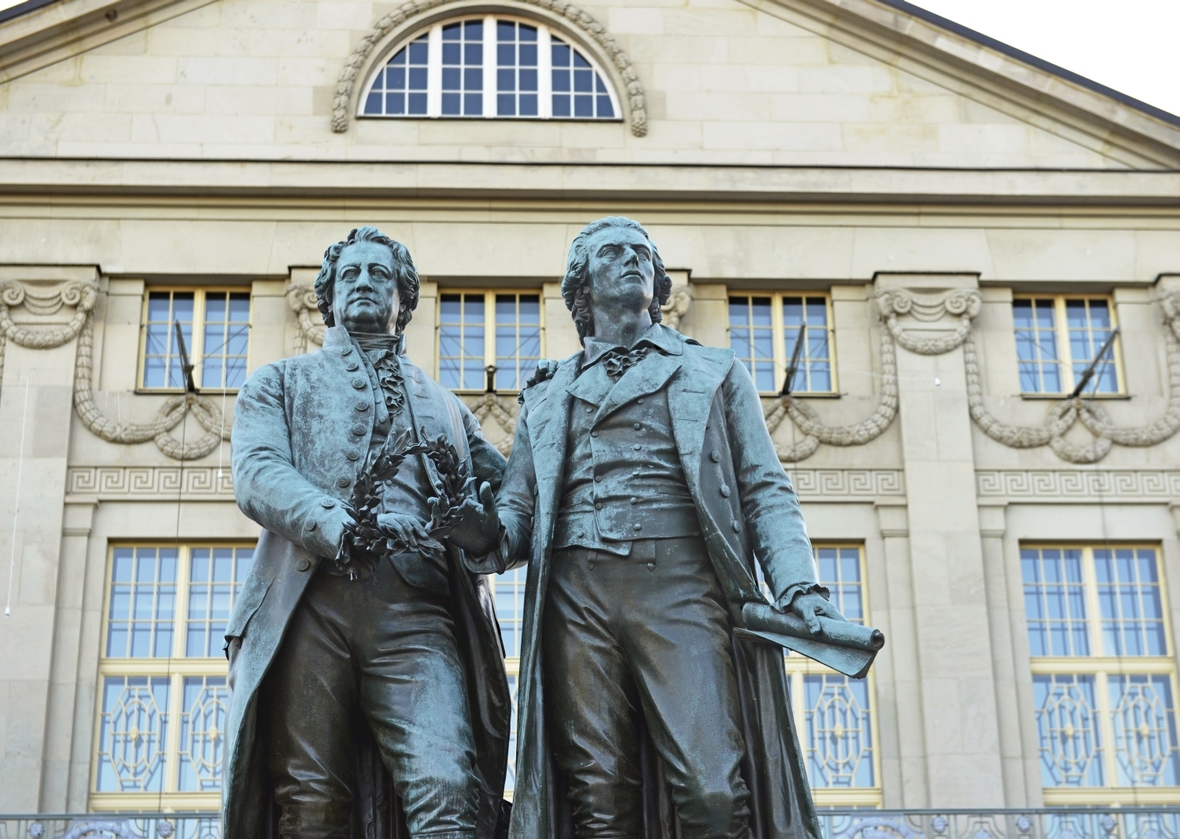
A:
963, 304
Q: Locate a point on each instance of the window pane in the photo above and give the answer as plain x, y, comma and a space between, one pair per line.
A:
215, 577
1054, 602
839, 732
1089, 326
839, 571
1068, 731
510, 777
1130, 602
141, 603
202, 733
751, 337
462, 69
508, 594
573, 74
1145, 747
1036, 345
400, 90
226, 339
808, 317
461, 341
518, 338
516, 63
132, 734
161, 354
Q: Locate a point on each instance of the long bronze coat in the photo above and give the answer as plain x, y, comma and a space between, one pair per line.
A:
722, 439
293, 424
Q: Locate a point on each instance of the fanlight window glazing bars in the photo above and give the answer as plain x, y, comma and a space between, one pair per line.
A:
490, 68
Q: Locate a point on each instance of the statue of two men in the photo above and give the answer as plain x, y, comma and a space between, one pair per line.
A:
642, 491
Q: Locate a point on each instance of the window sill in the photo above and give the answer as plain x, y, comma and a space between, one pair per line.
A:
481, 118
1057, 397
177, 391
803, 394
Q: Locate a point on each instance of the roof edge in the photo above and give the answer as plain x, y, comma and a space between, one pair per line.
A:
1027, 58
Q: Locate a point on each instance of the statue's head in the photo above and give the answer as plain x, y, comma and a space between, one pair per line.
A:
613, 258
368, 283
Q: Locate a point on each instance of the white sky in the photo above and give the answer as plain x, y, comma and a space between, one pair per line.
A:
1129, 45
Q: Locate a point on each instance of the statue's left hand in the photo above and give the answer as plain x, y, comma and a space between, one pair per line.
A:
477, 528
810, 607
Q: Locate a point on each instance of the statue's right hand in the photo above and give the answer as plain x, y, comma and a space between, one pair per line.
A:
406, 529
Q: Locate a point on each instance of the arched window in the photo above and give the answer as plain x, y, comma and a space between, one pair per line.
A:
489, 67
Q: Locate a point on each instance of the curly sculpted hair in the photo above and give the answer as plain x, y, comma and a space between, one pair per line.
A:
408, 286
575, 286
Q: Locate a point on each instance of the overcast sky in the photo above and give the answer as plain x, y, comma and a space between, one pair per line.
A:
1130, 45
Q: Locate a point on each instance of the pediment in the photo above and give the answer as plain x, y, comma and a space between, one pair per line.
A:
914, 93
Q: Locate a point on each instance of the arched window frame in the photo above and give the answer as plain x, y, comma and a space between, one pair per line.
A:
545, 33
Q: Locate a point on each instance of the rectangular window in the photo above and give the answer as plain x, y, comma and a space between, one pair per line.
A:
163, 694
835, 715
216, 329
1058, 337
1104, 679
766, 329
482, 329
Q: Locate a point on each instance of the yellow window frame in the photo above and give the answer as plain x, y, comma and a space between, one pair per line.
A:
196, 351
782, 353
1061, 338
175, 668
798, 667
489, 327
1102, 667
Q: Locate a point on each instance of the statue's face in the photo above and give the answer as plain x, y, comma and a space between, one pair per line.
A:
365, 297
621, 269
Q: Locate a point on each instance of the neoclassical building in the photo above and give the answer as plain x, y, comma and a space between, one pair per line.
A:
952, 269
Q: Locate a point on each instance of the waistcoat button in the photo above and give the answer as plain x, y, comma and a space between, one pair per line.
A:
357, 455
311, 525
725, 491
358, 431
589, 410
362, 406
597, 478
346, 351
737, 526
639, 401
598, 505
715, 456
328, 503
352, 367
358, 383
343, 481
303, 564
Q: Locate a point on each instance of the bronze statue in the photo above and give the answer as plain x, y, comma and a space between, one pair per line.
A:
368, 698
642, 490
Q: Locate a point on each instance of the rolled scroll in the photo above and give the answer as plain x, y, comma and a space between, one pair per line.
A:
847, 648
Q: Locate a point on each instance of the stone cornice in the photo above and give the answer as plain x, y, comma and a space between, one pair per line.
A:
63, 30
979, 189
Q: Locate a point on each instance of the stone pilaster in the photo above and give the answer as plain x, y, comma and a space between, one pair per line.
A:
959, 720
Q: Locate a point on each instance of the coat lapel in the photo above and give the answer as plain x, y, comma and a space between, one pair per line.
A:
549, 419
690, 400
646, 377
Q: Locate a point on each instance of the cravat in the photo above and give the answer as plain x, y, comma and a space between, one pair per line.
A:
616, 362
381, 351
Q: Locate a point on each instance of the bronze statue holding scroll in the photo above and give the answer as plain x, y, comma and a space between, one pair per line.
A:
642, 490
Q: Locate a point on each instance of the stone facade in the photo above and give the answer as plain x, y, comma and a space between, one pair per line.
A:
920, 180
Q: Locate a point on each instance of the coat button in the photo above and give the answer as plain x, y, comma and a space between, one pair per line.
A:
736, 525
346, 351
352, 367
311, 525
342, 481
303, 564
715, 456
357, 456
637, 447
362, 406
359, 383
358, 431
589, 410
634, 500
638, 527
327, 503
597, 478
598, 505
593, 433
725, 491
639, 401
638, 426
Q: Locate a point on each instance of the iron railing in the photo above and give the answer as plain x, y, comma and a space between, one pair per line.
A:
1047, 823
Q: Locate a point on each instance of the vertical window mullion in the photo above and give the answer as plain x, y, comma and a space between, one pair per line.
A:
490, 77
489, 328
1110, 763
830, 329
780, 339
544, 74
1061, 330
434, 72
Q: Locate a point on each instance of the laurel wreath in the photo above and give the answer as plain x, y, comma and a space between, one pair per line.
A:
365, 542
